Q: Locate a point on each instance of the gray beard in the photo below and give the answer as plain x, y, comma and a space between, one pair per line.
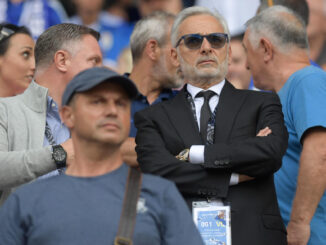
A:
197, 77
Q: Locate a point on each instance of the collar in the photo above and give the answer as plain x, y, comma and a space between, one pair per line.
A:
35, 97
51, 106
165, 94
193, 90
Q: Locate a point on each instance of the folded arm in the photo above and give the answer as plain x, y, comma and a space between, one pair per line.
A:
155, 158
254, 156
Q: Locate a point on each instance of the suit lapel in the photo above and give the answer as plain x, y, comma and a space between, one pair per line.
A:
182, 118
229, 104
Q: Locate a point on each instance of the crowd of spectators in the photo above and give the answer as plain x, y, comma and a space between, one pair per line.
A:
191, 63
115, 19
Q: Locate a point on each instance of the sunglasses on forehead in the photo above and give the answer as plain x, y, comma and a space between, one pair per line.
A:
5, 32
194, 41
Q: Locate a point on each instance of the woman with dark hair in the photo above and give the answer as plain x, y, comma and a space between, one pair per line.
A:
17, 64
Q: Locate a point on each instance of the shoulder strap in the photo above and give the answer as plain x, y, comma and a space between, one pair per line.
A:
129, 208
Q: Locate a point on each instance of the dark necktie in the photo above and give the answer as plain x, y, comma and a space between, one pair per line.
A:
205, 113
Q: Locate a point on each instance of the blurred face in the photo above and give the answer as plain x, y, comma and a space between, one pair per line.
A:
147, 7
101, 115
317, 17
238, 73
254, 63
88, 5
17, 65
88, 55
205, 63
165, 71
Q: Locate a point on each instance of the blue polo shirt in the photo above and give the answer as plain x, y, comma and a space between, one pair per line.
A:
141, 103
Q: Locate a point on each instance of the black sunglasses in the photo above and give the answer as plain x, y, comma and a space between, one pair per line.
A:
5, 32
194, 41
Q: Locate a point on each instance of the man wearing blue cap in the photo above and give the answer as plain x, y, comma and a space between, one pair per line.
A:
87, 200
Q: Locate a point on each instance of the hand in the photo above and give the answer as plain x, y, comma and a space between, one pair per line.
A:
243, 178
264, 132
298, 233
128, 151
69, 148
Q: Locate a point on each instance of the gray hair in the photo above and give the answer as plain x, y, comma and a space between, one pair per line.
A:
197, 10
154, 26
59, 37
281, 26
300, 7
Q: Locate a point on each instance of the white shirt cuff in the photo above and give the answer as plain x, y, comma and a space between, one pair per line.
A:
234, 180
196, 154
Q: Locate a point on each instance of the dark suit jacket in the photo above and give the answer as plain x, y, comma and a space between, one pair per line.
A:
167, 128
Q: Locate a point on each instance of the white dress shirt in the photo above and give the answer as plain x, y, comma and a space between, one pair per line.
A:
196, 153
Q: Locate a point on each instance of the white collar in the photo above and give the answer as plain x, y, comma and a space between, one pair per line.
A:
217, 88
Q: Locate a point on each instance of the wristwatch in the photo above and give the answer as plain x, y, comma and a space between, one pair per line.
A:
184, 155
59, 156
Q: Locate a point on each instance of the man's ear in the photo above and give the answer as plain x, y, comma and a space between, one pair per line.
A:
174, 57
62, 60
267, 49
67, 116
152, 49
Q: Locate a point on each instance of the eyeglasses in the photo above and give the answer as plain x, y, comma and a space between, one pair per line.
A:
5, 32
194, 41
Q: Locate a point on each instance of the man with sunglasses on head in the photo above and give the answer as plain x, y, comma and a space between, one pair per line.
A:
221, 146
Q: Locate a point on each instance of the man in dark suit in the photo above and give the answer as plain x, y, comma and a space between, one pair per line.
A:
222, 145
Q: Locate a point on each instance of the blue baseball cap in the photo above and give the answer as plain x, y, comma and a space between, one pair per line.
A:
92, 77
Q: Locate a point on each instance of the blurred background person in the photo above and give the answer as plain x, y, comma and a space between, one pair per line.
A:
17, 64
125, 9
316, 31
134, 10
147, 7
124, 64
235, 12
152, 72
115, 31
36, 15
238, 74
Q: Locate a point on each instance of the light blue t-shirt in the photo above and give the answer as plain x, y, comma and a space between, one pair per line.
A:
86, 211
303, 98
